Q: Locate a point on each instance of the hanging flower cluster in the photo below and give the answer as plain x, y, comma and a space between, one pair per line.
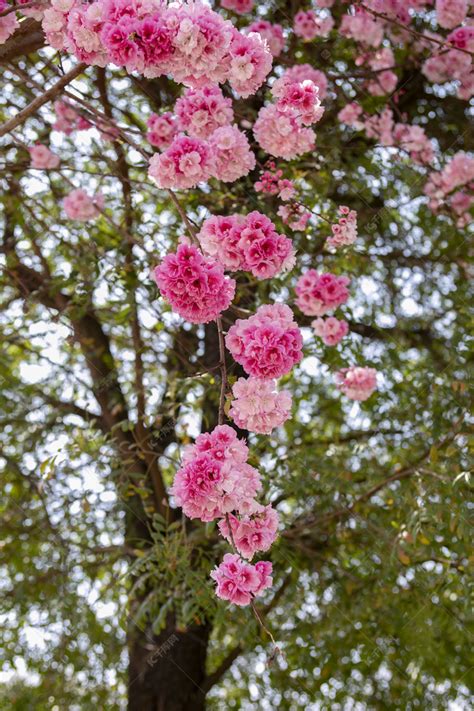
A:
345, 231
248, 243
257, 405
272, 34
267, 344
194, 285
189, 41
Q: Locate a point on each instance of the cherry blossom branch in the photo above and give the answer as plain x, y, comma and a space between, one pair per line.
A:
47, 96
20, 8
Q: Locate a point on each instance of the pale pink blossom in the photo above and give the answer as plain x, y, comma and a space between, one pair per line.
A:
80, 206
281, 134
350, 115
257, 405
184, 164
330, 329
232, 156
271, 33
345, 231
42, 157
450, 13
162, 128
202, 111
239, 6
356, 382
308, 25
297, 74
295, 216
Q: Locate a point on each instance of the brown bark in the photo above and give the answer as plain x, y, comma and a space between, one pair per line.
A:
167, 672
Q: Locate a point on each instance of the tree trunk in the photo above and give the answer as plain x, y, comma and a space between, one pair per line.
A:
166, 672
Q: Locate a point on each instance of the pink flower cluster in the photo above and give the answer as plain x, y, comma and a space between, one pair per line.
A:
251, 533
302, 100
239, 6
362, 27
162, 129
345, 231
453, 187
281, 128
226, 155
188, 40
249, 243
320, 293
42, 157
232, 155
281, 134
78, 205
451, 65
408, 137
257, 405
201, 111
356, 382
8, 23
308, 25
240, 582
215, 478
271, 33
68, 120
271, 182
351, 114
297, 74
330, 329
268, 344
194, 285
450, 13
381, 62
462, 38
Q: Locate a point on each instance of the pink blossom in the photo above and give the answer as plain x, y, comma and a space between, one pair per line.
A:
250, 62
232, 155
319, 293
268, 344
297, 74
362, 27
294, 215
201, 111
194, 285
258, 406
450, 13
302, 100
239, 6
330, 329
214, 478
414, 140
350, 115
251, 533
240, 582
345, 231
286, 189
8, 24
161, 129
184, 164
308, 25
43, 157
281, 134
271, 33
249, 243
78, 205
357, 383
68, 120
462, 37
